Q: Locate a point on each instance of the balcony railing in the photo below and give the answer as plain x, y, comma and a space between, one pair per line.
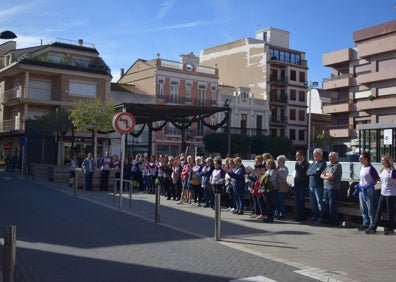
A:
10, 125
248, 131
11, 94
27, 93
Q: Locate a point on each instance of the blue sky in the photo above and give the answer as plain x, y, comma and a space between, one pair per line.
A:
126, 30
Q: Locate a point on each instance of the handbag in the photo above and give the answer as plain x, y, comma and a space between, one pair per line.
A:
283, 187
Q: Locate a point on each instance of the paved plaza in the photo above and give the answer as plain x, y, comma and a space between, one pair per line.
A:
87, 237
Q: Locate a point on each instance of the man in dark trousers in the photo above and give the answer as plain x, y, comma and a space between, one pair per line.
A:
301, 181
105, 164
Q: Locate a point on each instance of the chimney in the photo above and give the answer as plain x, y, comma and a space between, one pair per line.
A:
121, 72
80, 42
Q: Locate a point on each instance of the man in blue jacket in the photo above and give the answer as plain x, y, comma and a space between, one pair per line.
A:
316, 184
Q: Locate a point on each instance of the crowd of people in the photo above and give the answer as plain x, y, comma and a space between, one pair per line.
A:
195, 181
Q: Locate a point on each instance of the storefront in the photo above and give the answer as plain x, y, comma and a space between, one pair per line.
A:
378, 139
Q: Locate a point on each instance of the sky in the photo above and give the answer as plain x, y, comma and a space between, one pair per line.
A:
126, 30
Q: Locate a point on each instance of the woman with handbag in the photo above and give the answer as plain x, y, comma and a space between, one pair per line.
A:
282, 188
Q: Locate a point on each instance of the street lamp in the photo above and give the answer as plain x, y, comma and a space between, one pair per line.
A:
311, 86
6, 34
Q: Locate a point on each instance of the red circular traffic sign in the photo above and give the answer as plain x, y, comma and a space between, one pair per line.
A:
124, 122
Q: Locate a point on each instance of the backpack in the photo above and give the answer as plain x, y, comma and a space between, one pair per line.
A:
265, 184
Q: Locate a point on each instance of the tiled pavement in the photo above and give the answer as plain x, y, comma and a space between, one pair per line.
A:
183, 241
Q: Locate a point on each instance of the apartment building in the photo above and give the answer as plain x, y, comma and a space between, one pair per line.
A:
363, 80
183, 82
38, 80
273, 72
249, 114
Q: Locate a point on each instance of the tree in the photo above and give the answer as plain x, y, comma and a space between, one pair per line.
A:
55, 123
93, 115
324, 141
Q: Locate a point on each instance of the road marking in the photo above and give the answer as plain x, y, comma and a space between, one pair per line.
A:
254, 279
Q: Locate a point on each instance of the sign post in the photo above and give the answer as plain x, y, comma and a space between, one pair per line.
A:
22, 142
124, 123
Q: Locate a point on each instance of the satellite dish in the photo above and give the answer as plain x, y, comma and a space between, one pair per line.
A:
6, 34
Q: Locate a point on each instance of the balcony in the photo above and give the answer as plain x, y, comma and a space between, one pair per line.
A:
378, 46
278, 80
337, 82
339, 131
279, 120
282, 98
340, 106
339, 57
367, 78
11, 125
20, 93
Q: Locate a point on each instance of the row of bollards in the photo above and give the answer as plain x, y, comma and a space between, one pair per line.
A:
9, 253
217, 234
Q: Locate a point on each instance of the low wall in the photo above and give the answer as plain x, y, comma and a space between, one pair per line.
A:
80, 180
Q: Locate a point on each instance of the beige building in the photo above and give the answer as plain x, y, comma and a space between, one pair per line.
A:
183, 82
363, 80
273, 72
38, 80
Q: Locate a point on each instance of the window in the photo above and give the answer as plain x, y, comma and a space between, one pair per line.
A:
285, 56
282, 115
293, 75
301, 76
387, 65
188, 91
292, 114
201, 95
292, 134
174, 92
293, 95
54, 58
160, 89
301, 115
82, 88
243, 124
265, 38
362, 69
80, 62
213, 94
200, 128
301, 135
301, 96
40, 89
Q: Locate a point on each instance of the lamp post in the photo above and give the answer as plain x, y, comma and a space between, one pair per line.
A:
6, 34
311, 86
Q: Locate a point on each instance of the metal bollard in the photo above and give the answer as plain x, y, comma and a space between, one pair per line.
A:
9, 253
217, 217
130, 187
157, 204
75, 184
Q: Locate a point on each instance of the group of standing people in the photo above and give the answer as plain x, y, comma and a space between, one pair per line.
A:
196, 181
371, 206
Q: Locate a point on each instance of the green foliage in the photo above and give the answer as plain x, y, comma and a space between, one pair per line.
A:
54, 123
324, 140
274, 145
216, 142
244, 145
240, 144
92, 115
